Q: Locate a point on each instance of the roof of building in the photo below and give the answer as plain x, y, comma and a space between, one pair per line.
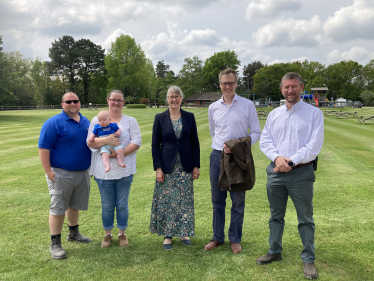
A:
208, 96
319, 89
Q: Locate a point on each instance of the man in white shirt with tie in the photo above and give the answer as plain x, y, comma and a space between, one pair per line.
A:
291, 139
229, 118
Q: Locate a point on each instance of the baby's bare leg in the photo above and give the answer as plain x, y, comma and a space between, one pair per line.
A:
105, 157
120, 157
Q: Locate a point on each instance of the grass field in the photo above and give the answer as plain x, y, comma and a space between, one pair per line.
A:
343, 212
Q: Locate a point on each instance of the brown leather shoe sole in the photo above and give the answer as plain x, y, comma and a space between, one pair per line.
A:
212, 244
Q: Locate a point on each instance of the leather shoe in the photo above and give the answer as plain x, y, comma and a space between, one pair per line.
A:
212, 244
310, 271
235, 248
269, 258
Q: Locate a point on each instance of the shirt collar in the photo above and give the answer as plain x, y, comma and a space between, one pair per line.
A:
296, 106
67, 117
234, 99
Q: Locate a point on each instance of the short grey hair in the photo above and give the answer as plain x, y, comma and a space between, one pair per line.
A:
228, 71
292, 75
176, 90
116, 91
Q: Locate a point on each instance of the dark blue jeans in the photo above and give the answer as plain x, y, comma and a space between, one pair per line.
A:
219, 205
298, 184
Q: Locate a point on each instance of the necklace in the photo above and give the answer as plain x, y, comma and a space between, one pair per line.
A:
175, 118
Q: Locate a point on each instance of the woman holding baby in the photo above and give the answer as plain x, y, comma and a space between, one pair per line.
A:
114, 183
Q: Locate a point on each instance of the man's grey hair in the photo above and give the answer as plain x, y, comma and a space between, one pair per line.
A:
292, 75
228, 71
116, 91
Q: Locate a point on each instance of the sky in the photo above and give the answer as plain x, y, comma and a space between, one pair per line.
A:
270, 31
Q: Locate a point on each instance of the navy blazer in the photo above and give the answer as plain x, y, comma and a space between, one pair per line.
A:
165, 145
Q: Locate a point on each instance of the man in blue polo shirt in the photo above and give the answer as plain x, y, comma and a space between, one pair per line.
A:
66, 158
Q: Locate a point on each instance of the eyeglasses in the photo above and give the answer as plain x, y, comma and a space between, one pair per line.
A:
118, 101
224, 84
174, 97
71, 101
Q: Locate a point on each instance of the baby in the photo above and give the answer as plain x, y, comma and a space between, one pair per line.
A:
104, 129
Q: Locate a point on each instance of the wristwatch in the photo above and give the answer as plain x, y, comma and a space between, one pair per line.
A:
291, 164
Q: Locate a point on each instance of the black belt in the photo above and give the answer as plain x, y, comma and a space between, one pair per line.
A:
303, 164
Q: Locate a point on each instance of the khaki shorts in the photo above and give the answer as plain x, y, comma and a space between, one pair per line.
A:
71, 189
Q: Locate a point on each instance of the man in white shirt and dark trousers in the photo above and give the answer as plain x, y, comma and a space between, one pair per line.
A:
291, 139
229, 118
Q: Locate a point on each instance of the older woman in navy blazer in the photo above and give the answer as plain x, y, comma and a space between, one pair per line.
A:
176, 160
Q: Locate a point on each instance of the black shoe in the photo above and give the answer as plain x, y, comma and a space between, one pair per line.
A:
75, 235
167, 246
269, 258
56, 249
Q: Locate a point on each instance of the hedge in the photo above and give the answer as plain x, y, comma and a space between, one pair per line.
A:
136, 105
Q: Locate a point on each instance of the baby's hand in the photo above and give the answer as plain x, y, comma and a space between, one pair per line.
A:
90, 139
117, 133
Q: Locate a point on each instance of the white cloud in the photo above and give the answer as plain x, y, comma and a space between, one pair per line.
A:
177, 44
355, 54
202, 37
112, 38
289, 33
351, 22
270, 8
301, 59
277, 61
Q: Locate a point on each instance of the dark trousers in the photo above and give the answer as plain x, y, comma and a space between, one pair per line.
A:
298, 184
219, 205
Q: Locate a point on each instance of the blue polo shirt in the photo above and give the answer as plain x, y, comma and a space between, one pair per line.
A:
65, 138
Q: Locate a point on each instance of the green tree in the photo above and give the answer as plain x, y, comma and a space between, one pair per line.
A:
190, 78
215, 64
41, 78
19, 83
162, 69
249, 71
267, 79
344, 79
6, 97
90, 59
128, 69
368, 75
64, 60
313, 74
367, 96
77, 60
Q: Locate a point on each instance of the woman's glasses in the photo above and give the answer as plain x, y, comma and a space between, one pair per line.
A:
118, 101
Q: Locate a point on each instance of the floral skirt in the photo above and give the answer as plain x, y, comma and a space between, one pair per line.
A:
173, 204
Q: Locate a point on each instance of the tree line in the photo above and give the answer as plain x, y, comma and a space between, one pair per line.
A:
82, 67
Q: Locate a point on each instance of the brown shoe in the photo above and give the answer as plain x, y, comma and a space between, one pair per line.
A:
310, 271
235, 248
107, 241
123, 241
212, 244
269, 258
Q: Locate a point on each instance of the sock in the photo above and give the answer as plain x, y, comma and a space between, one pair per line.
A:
73, 226
121, 234
55, 236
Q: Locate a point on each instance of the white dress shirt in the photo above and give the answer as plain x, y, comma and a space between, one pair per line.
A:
232, 122
296, 134
130, 133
